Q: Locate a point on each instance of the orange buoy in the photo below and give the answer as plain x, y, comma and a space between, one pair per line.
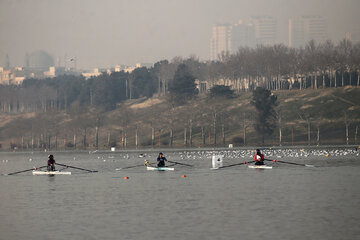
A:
126, 177
183, 176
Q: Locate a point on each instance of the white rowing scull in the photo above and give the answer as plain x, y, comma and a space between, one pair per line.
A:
159, 168
50, 173
260, 166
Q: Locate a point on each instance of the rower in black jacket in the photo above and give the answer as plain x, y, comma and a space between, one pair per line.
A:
51, 163
161, 160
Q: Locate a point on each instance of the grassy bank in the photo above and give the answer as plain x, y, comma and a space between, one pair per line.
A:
308, 117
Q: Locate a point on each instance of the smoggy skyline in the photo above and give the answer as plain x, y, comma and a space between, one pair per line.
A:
103, 33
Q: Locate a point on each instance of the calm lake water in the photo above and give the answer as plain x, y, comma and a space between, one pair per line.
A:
286, 202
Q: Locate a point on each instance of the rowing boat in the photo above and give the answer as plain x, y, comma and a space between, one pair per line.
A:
260, 166
159, 168
50, 173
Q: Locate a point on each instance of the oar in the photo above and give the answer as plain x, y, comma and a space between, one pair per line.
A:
132, 166
236, 164
31, 169
63, 168
76, 167
148, 164
298, 164
181, 163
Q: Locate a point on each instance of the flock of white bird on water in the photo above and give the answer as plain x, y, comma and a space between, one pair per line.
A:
246, 154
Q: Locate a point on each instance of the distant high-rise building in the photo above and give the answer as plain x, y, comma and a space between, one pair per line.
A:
305, 28
265, 28
220, 40
227, 38
353, 36
242, 35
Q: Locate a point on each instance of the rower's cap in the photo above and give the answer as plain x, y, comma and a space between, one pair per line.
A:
258, 150
161, 153
51, 156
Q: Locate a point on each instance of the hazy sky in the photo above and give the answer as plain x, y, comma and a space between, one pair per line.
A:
103, 33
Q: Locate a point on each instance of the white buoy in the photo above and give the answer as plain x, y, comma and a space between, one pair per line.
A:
113, 149
217, 161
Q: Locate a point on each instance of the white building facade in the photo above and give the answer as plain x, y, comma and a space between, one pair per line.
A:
306, 28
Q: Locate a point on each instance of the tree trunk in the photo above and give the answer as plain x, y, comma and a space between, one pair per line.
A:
209, 135
152, 137
185, 137
347, 133
190, 133
335, 80
215, 133
244, 129
171, 137
318, 136
74, 141
203, 135
125, 140
84, 140
280, 137
350, 78
56, 143
136, 138
97, 138
356, 133
342, 79
280, 132
309, 133
223, 133
122, 139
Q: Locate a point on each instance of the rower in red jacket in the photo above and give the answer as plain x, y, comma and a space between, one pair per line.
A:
259, 158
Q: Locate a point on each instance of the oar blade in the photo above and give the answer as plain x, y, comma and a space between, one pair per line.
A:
181, 163
27, 170
236, 164
76, 167
292, 163
139, 165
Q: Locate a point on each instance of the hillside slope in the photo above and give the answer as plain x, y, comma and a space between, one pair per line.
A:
305, 116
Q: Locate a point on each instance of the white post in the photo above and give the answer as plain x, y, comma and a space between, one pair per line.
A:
217, 161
